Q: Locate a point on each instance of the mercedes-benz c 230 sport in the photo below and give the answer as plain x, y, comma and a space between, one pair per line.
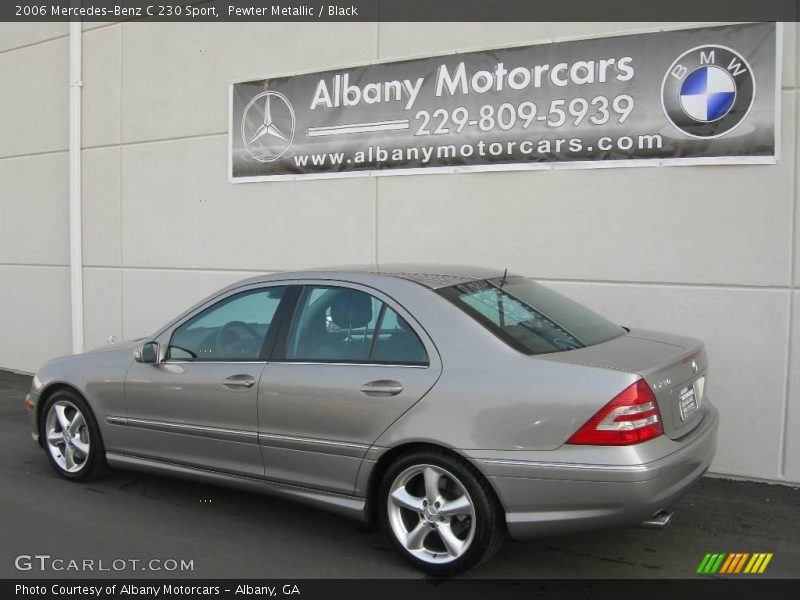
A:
453, 405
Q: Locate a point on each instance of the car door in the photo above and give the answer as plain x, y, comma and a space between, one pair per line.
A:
198, 404
344, 368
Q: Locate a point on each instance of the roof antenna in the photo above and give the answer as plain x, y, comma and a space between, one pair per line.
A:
503, 280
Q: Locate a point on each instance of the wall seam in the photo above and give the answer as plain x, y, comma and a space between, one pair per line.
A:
782, 465
688, 284
153, 141
44, 265
33, 154
719, 286
375, 217
121, 245
376, 200
177, 138
33, 44
100, 27
187, 269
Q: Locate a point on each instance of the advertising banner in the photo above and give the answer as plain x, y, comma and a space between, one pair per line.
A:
691, 96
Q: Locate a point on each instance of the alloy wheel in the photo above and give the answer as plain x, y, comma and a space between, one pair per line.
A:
431, 514
67, 436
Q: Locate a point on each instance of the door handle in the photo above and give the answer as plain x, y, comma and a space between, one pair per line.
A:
382, 388
238, 382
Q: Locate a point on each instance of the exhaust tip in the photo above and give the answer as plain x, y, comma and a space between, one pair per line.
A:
658, 521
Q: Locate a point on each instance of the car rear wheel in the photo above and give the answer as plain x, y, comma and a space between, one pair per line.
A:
440, 513
72, 438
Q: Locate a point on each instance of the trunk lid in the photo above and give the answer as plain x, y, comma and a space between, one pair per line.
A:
673, 366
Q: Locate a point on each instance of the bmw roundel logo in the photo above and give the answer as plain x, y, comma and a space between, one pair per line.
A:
708, 91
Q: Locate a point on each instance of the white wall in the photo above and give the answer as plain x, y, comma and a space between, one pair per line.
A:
34, 278
705, 251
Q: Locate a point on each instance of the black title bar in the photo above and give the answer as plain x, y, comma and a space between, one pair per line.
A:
401, 10
419, 589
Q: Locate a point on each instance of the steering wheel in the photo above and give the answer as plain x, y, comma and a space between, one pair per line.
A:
228, 349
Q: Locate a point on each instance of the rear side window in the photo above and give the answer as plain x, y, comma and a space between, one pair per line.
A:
530, 317
396, 343
344, 325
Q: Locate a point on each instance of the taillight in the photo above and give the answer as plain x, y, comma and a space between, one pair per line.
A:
631, 417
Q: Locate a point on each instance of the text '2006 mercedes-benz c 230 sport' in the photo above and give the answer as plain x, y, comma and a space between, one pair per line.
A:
451, 404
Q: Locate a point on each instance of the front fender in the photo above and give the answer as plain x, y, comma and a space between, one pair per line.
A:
99, 377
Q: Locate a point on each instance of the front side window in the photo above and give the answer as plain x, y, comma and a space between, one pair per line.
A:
231, 330
530, 317
338, 324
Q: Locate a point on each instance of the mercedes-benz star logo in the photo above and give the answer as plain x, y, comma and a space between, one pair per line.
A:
268, 124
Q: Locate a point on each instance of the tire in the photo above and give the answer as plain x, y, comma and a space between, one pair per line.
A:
439, 512
78, 455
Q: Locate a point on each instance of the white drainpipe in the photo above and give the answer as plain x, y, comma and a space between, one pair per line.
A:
75, 219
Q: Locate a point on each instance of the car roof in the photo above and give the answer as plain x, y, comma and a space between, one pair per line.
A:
432, 276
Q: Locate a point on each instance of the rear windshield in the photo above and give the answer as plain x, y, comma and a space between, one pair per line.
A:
530, 317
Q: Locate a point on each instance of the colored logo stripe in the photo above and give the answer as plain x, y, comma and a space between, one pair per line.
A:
734, 563
732, 558
758, 563
711, 563
703, 563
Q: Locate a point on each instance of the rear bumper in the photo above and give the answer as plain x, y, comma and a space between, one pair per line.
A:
580, 488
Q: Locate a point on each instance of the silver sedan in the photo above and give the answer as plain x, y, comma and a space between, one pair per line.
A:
453, 405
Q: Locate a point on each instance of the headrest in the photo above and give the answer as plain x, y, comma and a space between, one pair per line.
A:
351, 309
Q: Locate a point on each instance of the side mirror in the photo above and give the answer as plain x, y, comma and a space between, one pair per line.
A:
147, 353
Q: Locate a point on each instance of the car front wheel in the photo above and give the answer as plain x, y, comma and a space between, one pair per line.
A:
440, 513
71, 437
